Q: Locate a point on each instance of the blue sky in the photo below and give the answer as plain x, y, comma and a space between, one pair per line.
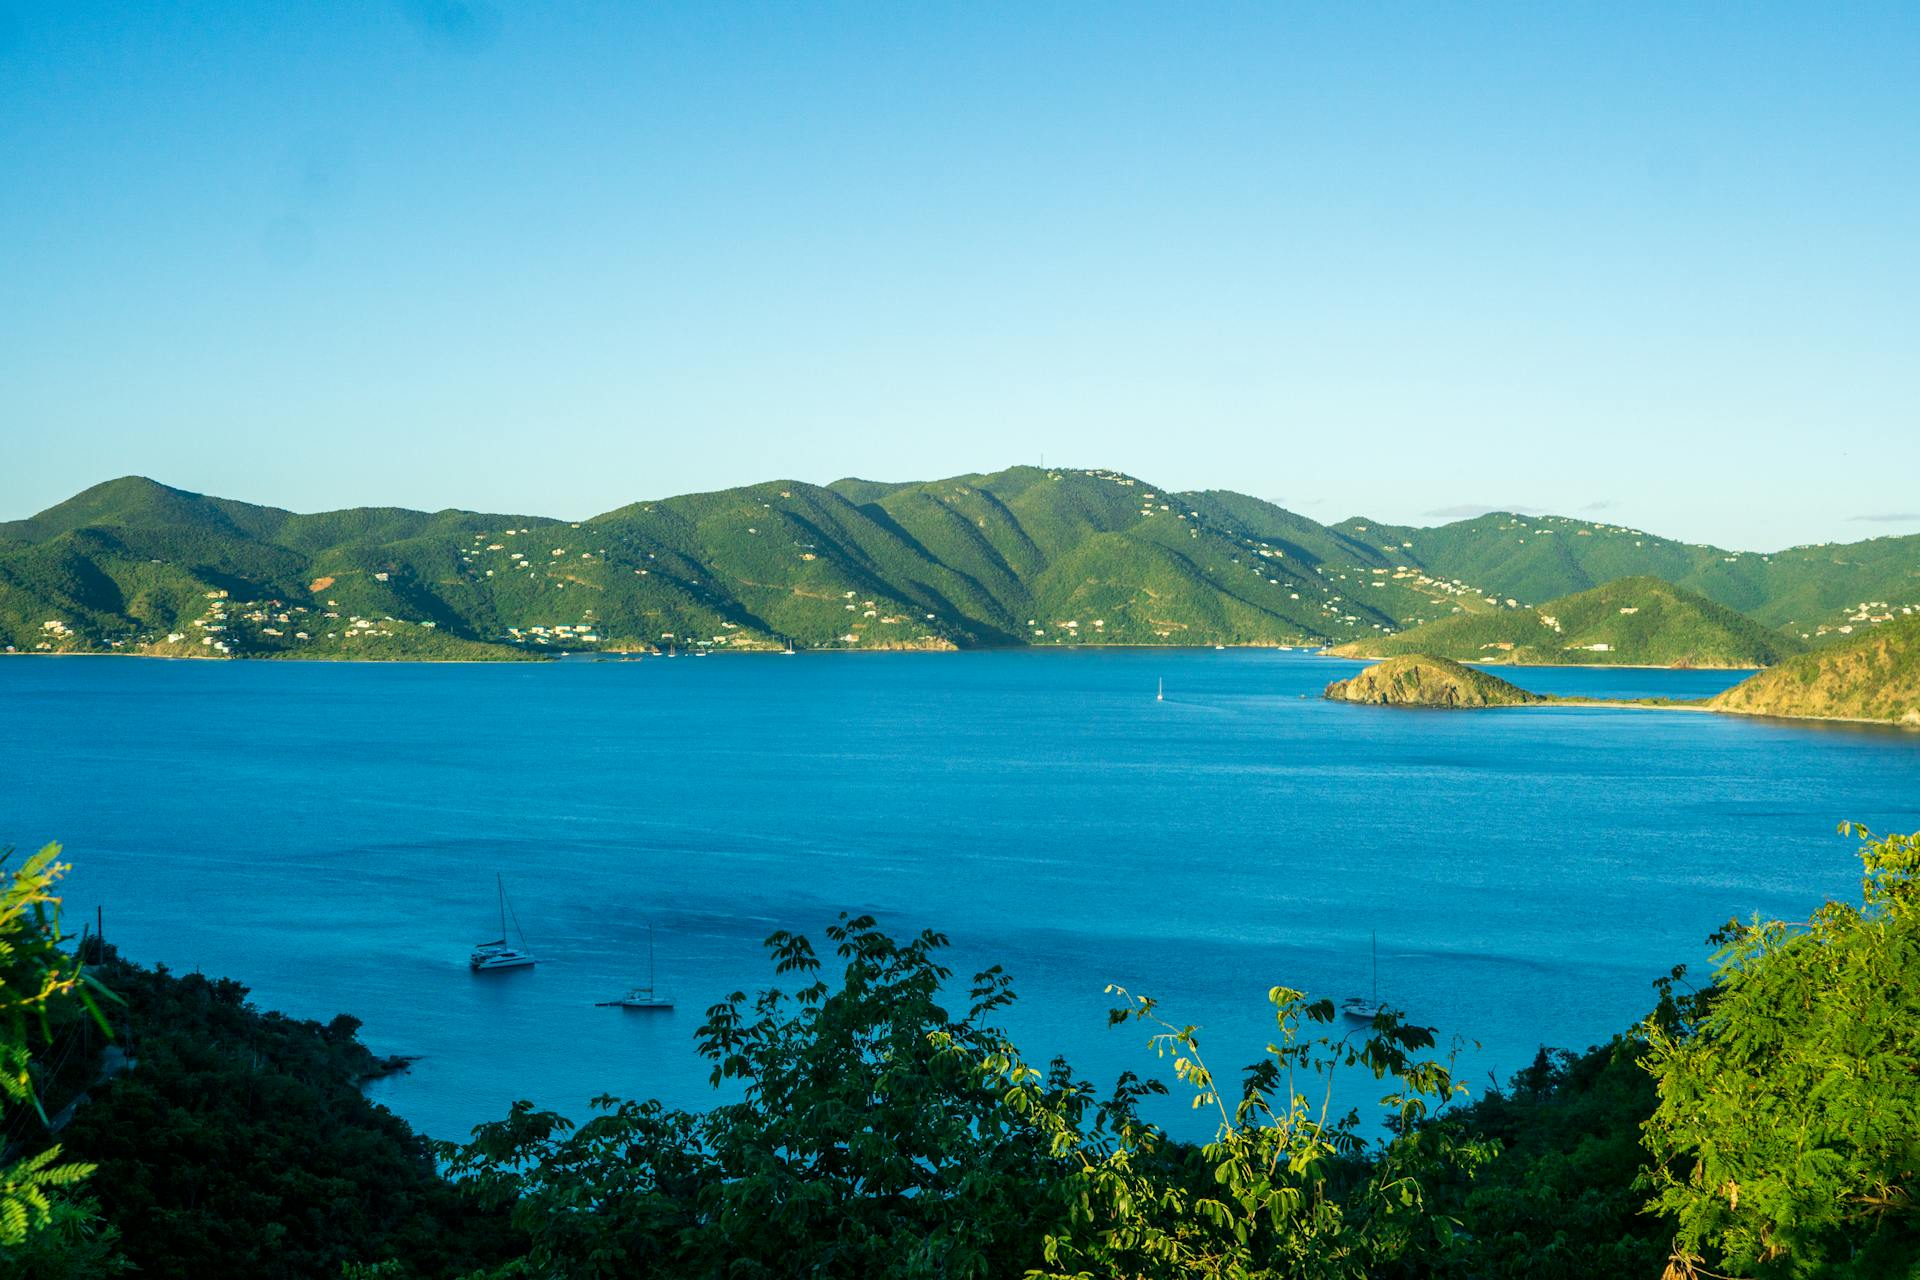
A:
1656, 264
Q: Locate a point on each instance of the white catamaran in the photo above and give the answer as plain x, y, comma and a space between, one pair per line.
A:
1363, 1008
498, 954
642, 997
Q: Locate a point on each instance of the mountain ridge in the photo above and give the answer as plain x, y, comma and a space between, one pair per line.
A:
1021, 556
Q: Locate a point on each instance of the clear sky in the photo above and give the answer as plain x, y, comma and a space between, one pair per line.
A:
1659, 265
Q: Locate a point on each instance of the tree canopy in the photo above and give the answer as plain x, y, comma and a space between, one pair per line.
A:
1787, 1136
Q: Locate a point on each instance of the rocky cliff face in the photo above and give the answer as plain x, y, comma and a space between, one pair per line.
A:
1416, 680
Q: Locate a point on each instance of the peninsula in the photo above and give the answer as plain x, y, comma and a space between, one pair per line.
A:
1871, 678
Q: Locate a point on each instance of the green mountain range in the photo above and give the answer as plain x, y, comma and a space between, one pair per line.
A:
1639, 621
1020, 557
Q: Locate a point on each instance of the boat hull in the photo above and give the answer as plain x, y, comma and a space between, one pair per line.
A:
483, 964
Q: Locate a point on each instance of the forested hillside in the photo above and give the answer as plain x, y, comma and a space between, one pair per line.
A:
1829, 589
1024, 556
1639, 621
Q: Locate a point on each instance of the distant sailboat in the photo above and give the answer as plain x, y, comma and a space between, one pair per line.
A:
498, 954
1161, 695
1361, 1008
789, 650
642, 997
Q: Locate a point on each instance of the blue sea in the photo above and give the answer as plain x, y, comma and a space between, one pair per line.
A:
329, 834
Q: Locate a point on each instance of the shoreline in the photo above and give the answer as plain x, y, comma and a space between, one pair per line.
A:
1697, 708
1627, 705
1551, 666
369, 662
513, 656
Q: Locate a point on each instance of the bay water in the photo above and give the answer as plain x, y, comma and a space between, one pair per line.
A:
329, 834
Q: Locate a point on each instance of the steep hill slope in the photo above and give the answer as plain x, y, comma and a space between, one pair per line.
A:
1872, 676
1023, 556
1636, 621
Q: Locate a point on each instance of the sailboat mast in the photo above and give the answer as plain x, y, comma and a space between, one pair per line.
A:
500, 883
1376, 968
649, 957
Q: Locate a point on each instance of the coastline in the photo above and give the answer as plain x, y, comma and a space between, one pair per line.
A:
1700, 708
1551, 666
284, 657
1305, 650
509, 656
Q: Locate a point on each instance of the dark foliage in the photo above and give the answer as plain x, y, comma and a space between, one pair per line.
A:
238, 1143
1563, 1200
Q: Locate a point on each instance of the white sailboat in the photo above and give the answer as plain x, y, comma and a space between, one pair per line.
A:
1161, 694
642, 997
499, 954
1364, 1008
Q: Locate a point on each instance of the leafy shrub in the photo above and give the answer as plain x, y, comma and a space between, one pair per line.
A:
37, 980
1787, 1136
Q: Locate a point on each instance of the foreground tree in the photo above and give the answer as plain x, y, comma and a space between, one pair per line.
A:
1287, 1187
878, 1135
1565, 1199
239, 1142
37, 979
1787, 1136
865, 1142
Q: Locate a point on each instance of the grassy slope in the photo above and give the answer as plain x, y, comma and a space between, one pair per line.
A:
1420, 680
1872, 676
1668, 627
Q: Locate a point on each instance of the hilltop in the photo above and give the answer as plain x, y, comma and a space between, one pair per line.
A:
1875, 676
1025, 556
1421, 680
1639, 621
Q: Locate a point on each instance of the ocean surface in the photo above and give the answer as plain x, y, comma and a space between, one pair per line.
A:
329, 834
